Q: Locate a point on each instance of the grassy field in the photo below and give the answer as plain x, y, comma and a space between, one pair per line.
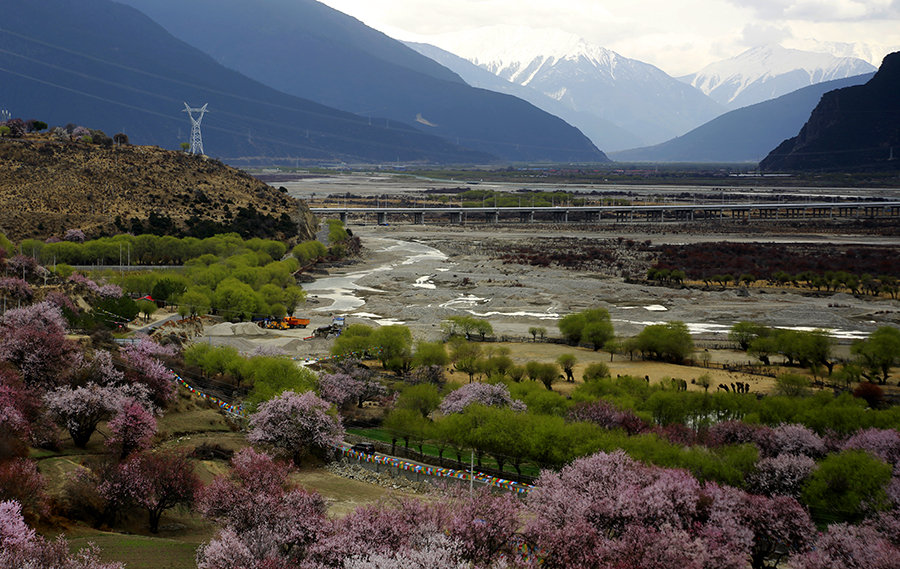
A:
142, 552
192, 422
523, 352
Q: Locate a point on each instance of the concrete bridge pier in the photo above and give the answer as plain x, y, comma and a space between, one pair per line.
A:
381, 218
344, 217
492, 217
526, 217
419, 218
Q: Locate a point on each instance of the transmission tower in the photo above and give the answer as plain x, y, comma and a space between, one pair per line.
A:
4, 115
196, 138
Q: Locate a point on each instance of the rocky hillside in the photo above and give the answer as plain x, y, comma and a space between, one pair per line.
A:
851, 129
49, 186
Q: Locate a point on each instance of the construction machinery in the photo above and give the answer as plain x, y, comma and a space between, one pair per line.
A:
287, 323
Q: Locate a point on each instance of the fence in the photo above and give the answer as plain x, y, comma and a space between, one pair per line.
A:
414, 471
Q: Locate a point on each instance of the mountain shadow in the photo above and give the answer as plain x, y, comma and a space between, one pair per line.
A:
108, 66
742, 135
851, 129
309, 50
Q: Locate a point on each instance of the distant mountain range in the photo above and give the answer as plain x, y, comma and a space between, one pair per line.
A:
851, 129
743, 135
309, 50
637, 97
603, 133
767, 72
105, 65
296, 81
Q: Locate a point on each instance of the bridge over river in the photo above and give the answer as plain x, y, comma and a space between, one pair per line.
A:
661, 213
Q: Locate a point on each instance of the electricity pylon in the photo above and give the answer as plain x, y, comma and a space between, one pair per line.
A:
196, 138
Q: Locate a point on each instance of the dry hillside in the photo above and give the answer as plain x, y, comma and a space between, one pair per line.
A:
48, 186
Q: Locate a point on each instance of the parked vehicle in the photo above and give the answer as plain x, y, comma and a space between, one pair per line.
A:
287, 323
365, 448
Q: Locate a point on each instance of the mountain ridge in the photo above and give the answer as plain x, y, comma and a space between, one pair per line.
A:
603, 133
106, 64
635, 96
851, 129
312, 51
746, 134
769, 71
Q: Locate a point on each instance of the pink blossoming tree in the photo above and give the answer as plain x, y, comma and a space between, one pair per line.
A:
296, 424
781, 475
33, 340
482, 393
155, 482
22, 548
80, 409
265, 519
132, 429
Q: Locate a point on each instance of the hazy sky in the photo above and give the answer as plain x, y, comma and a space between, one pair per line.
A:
679, 36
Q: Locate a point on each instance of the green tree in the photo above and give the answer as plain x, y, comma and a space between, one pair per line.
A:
567, 363
744, 333
792, 385
466, 326
293, 295
546, 373
483, 328
505, 436
234, 299
591, 326
879, 352
273, 376
847, 485
422, 398
356, 339
394, 345
146, 307
336, 232
309, 251
196, 300
465, 356
704, 381
408, 425
669, 341
430, 354
168, 287
536, 331
107, 309
763, 348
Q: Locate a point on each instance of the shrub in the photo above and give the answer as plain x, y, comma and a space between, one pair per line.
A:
595, 371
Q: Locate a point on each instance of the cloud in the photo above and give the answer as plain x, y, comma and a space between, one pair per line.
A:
822, 10
679, 37
759, 33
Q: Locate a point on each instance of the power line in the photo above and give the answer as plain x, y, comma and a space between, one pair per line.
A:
356, 120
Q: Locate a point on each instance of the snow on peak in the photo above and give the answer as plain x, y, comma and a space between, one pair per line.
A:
731, 77
518, 53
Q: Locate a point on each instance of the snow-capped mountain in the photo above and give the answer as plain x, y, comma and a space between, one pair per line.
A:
867, 51
586, 78
765, 72
603, 133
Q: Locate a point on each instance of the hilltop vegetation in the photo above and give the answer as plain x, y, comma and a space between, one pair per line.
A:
56, 182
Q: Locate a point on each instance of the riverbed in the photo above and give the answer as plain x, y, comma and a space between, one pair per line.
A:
414, 276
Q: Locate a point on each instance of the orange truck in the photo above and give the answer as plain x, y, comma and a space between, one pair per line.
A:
296, 322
